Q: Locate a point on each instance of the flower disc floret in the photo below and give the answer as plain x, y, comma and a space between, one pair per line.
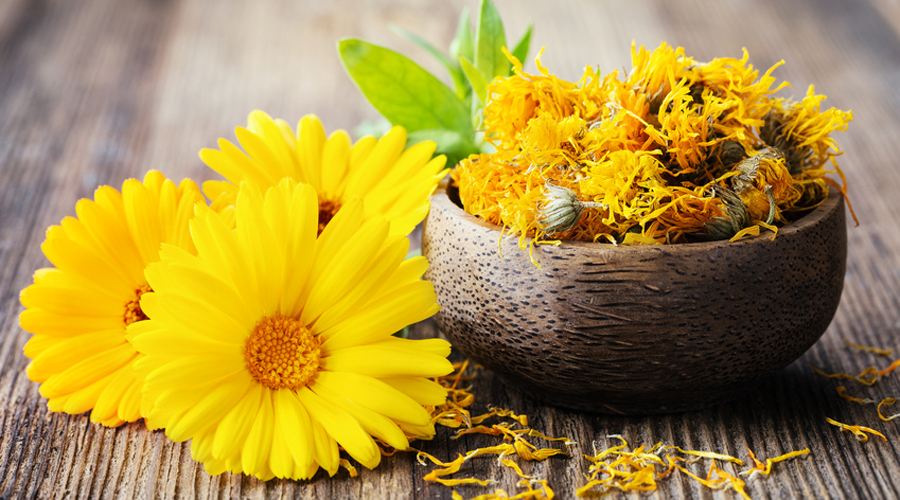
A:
282, 353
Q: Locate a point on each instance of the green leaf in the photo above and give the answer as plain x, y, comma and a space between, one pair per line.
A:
476, 79
462, 45
459, 80
401, 90
454, 145
421, 42
489, 41
521, 50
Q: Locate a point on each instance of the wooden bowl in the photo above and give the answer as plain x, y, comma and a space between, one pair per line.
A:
635, 329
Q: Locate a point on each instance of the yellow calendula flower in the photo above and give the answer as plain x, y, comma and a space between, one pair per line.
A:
284, 338
78, 310
392, 180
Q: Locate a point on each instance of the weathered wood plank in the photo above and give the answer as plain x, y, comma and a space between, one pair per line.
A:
92, 92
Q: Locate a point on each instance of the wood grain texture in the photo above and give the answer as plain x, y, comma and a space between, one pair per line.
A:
96, 91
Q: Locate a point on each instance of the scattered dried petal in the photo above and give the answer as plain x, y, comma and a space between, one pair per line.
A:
876, 350
840, 390
766, 469
867, 377
343, 462
887, 401
707, 454
857, 430
889, 369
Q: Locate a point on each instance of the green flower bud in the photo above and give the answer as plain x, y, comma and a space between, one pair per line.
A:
561, 209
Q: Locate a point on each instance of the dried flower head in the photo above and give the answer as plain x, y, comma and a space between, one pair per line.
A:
561, 209
738, 217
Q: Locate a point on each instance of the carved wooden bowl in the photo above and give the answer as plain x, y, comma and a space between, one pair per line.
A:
636, 329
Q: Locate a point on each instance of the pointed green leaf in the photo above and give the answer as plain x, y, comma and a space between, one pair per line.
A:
521, 50
489, 41
476, 79
421, 42
462, 44
459, 81
401, 90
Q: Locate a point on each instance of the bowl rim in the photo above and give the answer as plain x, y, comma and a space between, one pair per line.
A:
835, 201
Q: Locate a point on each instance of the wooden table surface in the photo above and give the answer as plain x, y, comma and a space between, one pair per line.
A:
96, 91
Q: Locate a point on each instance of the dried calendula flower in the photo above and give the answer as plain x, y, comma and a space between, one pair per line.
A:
729, 153
765, 186
800, 130
738, 217
561, 209
656, 146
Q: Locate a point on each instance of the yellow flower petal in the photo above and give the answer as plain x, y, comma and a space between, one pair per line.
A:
382, 317
258, 446
371, 421
62, 354
421, 390
88, 370
326, 448
384, 266
342, 428
336, 155
375, 395
386, 152
141, 212
108, 403
391, 359
207, 409
297, 429
310, 140
354, 260
40, 321
235, 425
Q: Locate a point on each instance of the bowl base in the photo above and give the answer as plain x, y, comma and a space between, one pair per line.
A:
647, 404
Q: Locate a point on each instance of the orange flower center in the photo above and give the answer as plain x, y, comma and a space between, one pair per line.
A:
327, 209
133, 311
282, 353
